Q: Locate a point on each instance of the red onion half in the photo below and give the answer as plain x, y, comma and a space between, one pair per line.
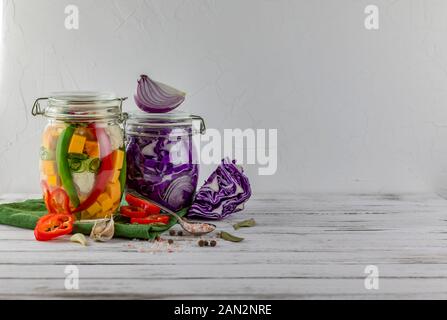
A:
157, 97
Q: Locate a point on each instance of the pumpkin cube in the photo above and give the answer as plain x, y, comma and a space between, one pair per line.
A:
52, 181
115, 176
105, 202
77, 144
114, 191
118, 159
92, 149
94, 209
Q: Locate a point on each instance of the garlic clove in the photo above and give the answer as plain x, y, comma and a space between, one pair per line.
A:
80, 238
103, 230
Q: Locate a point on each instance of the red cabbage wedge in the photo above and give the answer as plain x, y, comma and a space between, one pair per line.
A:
224, 192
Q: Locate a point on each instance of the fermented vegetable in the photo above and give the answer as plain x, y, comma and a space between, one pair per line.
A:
105, 171
162, 169
88, 181
63, 166
82, 153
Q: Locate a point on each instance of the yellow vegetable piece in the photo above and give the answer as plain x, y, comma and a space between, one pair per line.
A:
77, 144
48, 167
118, 158
94, 209
105, 202
52, 181
92, 149
115, 177
114, 191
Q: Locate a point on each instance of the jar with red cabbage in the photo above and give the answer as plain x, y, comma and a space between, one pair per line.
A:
162, 162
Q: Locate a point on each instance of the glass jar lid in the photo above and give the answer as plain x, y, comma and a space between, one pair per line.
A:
140, 123
81, 106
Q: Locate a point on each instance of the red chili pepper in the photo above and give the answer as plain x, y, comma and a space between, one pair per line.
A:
52, 226
133, 212
105, 171
154, 218
146, 205
59, 202
56, 201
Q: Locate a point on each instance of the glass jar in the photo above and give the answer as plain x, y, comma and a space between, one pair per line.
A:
82, 155
162, 157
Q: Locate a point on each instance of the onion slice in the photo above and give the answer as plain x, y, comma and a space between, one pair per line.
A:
153, 96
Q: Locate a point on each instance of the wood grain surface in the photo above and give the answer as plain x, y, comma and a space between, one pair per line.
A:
303, 247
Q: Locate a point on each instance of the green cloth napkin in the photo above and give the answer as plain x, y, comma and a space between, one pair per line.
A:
25, 215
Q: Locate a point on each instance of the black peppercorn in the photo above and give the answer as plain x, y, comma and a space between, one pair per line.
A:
213, 243
172, 232
201, 243
180, 233
170, 241
206, 243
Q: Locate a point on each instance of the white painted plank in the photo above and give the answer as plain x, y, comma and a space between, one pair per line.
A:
304, 246
218, 288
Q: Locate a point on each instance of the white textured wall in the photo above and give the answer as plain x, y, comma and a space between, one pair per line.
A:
356, 110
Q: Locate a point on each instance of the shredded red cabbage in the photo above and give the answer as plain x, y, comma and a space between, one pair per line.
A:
224, 192
162, 168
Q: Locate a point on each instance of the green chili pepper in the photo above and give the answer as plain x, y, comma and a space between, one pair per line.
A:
63, 166
123, 173
76, 165
93, 165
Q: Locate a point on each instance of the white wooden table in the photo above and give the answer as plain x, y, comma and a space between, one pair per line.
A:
304, 247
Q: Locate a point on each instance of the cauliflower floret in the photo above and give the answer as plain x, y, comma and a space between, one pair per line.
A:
116, 135
84, 181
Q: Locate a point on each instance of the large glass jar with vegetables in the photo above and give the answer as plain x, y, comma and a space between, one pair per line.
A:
82, 155
162, 158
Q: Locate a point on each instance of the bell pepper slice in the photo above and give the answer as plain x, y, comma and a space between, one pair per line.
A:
146, 205
52, 226
133, 212
105, 171
151, 219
